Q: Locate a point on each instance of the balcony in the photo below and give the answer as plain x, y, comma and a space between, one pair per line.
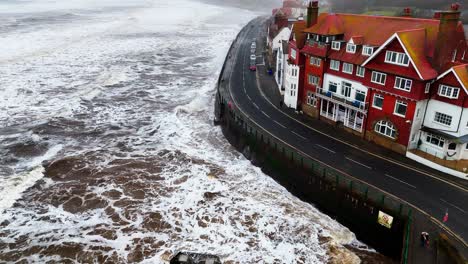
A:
343, 100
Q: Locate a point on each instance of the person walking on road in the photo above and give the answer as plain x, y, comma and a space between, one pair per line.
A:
424, 239
281, 103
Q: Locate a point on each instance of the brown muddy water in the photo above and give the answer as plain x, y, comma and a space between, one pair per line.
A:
108, 152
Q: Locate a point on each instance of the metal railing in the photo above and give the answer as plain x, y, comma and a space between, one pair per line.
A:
338, 98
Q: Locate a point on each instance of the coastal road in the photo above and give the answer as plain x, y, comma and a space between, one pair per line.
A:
428, 193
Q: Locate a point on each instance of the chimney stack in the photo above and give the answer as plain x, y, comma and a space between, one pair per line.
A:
407, 12
446, 38
312, 13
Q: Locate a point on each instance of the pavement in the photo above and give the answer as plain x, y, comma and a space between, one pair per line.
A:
420, 186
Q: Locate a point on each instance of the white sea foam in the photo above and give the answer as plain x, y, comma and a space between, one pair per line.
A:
133, 84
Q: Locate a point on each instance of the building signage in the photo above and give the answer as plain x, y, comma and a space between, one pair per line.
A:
385, 219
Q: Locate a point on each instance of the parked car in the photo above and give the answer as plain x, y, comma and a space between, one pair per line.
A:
253, 57
253, 46
253, 67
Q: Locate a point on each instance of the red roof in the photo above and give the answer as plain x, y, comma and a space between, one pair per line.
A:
342, 55
374, 30
315, 50
413, 42
462, 73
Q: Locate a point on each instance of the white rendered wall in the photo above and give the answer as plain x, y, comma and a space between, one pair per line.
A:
338, 80
291, 85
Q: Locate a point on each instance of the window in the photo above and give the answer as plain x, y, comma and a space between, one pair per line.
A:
347, 68
435, 140
368, 51
385, 128
336, 45
311, 100
315, 61
293, 53
378, 101
403, 84
350, 48
452, 146
448, 91
335, 65
346, 89
400, 108
360, 96
397, 58
332, 87
314, 80
360, 71
442, 119
428, 87
378, 77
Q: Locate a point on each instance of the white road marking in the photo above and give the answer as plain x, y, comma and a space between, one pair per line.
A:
265, 114
250, 99
396, 179
281, 125
255, 105
359, 163
453, 205
298, 135
325, 148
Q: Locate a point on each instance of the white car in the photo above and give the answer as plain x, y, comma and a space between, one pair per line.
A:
253, 57
253, 46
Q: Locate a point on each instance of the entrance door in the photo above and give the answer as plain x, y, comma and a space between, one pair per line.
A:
346, 89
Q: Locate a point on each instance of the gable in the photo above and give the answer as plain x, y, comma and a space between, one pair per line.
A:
377, 61
412, 43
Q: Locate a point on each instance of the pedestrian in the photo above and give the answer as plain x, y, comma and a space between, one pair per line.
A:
281, 103
423, 239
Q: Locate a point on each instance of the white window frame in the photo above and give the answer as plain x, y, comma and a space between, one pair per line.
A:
367, 51
348, 68
360, 92
448, 91
350, 48
311, 99
378, 76
315, 61
334, 63
429, 136
360, 71
427, 88
397, 58
443, 119
380, 97
313, 80
293, 53
389, 128
403, 84
336, 45
398, 102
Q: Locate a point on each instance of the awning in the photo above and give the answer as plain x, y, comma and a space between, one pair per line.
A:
459, 140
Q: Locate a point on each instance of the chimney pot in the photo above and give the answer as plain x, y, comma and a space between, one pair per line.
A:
407, 12
455, 7
314, 3
437, 15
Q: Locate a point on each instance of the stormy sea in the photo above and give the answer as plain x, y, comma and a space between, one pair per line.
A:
108, 152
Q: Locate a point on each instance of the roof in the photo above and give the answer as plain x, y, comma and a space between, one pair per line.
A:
366, 26
461, 73
413, 42
315, 50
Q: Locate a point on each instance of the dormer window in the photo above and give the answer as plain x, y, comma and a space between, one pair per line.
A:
397, 58
351, 48
336, 45
448, 91
317, 37
368, 51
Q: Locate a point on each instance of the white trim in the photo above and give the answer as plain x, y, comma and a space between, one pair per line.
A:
456, 76
395, 35
435, 165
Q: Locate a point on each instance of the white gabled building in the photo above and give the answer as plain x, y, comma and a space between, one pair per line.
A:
291, 85
281, 62
444, 132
